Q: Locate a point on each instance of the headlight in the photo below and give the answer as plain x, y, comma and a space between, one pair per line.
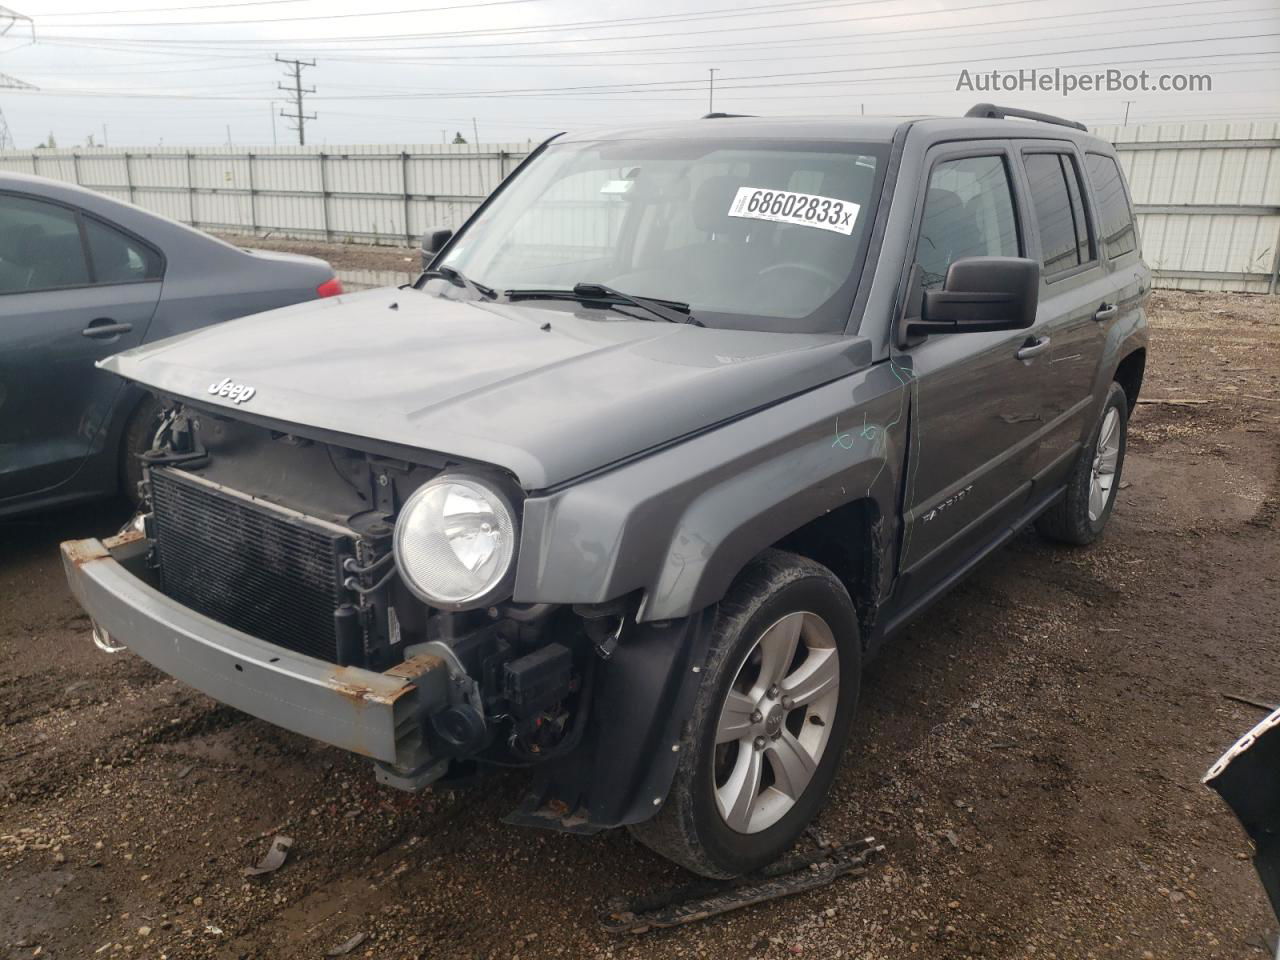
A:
455, 542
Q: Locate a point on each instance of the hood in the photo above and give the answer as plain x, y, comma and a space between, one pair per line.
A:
549, 394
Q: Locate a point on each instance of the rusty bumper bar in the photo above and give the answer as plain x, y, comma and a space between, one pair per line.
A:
377, 715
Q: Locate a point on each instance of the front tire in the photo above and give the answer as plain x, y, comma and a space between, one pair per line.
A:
1081, 514
770, 722
139, 434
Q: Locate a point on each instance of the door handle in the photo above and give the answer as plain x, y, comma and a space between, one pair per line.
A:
1033, 348
1106, 311
102, 328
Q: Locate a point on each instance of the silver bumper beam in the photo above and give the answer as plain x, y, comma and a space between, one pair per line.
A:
377, 715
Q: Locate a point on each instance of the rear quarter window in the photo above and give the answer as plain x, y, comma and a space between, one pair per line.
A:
119, 258
1118, 234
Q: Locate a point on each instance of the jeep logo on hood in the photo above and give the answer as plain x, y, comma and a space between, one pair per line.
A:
235, 392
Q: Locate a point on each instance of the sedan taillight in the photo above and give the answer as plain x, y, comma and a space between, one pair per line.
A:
330, 288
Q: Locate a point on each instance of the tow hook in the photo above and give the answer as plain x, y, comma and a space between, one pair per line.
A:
103, 640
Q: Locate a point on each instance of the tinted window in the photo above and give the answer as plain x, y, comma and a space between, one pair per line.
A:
1055, 197
1084, 244
968, 212
40, 246
1118, 234
118, 258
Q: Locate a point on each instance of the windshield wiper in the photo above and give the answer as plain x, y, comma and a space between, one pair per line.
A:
670, 310
455, 276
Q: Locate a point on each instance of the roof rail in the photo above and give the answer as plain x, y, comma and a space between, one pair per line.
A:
992, 112
725, 116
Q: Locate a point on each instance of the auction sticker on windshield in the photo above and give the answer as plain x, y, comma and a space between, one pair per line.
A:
802, 209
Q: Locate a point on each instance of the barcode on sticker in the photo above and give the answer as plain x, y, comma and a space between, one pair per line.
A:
802, 209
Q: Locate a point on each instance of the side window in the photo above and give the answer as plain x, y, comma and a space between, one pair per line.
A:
1059, 212
1118, 234
968, 212
1084, 241
40, 246
118, 258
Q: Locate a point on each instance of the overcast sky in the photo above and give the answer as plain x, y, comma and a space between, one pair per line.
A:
411, 71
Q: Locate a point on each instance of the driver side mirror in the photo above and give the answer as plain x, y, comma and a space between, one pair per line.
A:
981, 294
433, 242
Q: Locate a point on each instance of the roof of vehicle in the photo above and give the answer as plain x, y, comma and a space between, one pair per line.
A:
856, 129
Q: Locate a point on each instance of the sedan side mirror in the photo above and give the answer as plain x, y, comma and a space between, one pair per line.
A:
981, 294
433, 242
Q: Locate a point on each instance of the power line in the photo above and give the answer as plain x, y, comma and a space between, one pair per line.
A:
633, 86
201, 6
298, 117
326, 16
612, 22
600, 92
178, 46
945, 43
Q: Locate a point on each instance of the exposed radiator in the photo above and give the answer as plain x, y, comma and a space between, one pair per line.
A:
260, 569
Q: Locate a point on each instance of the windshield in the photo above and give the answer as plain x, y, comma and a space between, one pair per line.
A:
759, 235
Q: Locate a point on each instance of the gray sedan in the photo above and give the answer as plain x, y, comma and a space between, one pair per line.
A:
83, 276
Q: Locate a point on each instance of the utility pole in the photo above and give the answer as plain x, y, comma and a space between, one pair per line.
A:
475, 133
10, 83
8, 20
104, 136
274, 142
1127, 105
297, 90
711, 89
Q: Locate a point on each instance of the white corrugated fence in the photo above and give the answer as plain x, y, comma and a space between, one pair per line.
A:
370, 193
1207, 194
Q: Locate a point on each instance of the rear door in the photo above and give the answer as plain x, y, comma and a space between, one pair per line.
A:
73, 290
977, 399
1076, 296
1118, 241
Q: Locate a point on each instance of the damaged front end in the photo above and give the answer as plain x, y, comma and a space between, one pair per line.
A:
1247, 777
264, 571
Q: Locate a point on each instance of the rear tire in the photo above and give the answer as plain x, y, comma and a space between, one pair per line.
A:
778, 692
1081, 514
139, 433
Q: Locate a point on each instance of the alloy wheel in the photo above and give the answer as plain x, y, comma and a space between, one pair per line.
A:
776, 721
1105, 457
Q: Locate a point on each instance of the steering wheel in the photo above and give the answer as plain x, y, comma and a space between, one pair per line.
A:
806, 268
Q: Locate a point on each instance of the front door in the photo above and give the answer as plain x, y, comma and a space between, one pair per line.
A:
72, 291
977, 397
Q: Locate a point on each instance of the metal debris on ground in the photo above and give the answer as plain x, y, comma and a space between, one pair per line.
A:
342, 949
274, 859
698, 901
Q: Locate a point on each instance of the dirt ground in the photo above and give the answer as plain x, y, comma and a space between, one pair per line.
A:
1030, 753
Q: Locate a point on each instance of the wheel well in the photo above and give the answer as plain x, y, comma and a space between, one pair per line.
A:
848, 541
1129, 375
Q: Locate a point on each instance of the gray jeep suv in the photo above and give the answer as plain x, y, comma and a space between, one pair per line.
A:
678, 430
